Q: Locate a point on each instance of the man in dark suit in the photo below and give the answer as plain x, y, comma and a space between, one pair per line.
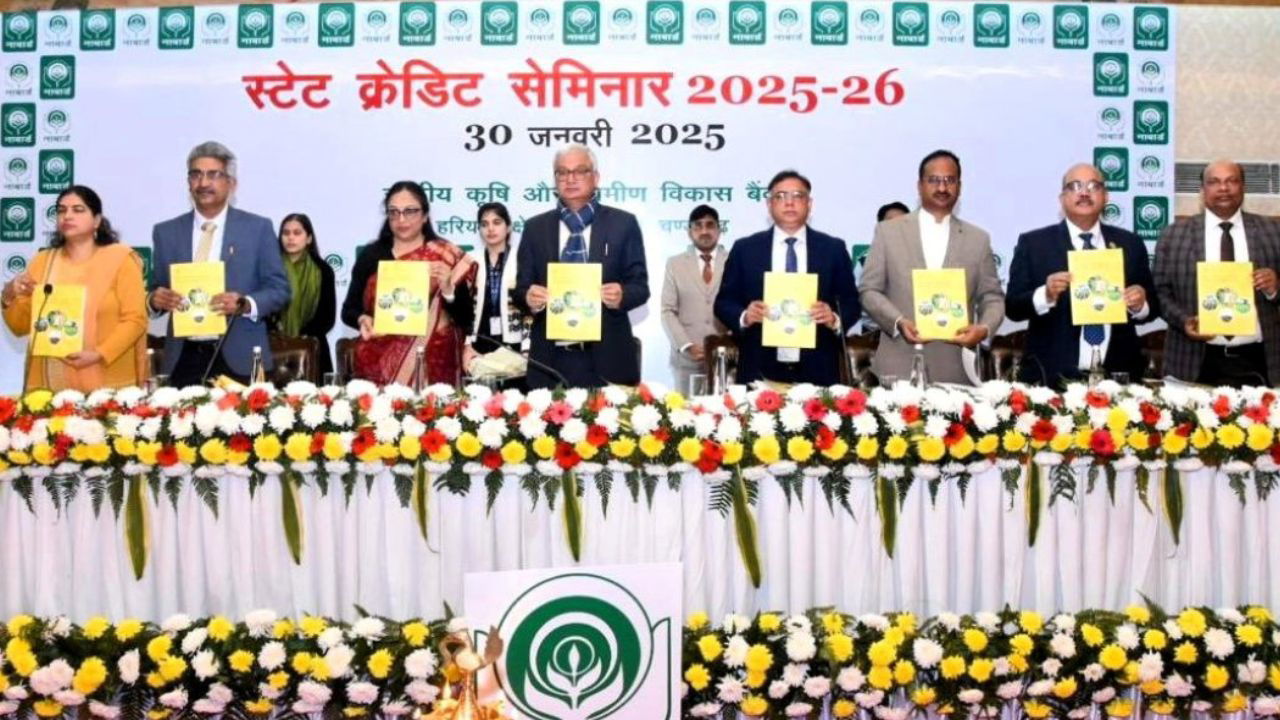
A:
580, 229
1222, 233
791, 246
1056, 350
256, 284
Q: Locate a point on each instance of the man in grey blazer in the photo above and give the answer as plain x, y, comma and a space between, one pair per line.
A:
932, 238
689, 295
256, 284
1223, 232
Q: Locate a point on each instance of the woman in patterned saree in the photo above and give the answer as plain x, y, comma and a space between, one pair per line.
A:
407, 235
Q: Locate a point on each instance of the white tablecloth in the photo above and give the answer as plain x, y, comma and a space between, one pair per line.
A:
952, 555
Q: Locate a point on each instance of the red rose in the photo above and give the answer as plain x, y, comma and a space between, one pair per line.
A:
1018, 402
1043, 430
363, 440
825, 439
815, 409
851, 403
566, 456
662, 434
955, 433
432, 440
1222, 406
1097, 399
1102, 443
258, 399
8, 407
1150, 413
364, 402
1258, 414
240, 443
707, 465
317, 442
768, 401
168, 456
399, 404
228, 401
597, 402
646, 395
491, 459
449, 410
25, 423
1184, 429
426, 413
597, 435
911, 414
711, 450
967, 414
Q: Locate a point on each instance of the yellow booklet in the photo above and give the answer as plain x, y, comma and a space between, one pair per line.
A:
1226, 298
789, 297
941, 301
59, 331
197, 283
401, 300
573, 310
1097, 286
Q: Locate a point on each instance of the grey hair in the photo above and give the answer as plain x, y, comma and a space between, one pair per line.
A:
217, 151
595, 164
1204, 174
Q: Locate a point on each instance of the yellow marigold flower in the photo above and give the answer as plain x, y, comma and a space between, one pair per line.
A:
220, 628
837, 450
1201, 438
409, 447
96, 627
622, 447
962, 448
840, 646
123, 446
43, 453
880, 677
924, 696
1192, 622
1061, 442
236, 457
650, 446
1113, 657
158, 647
312, 625
904, 671
415, 633
1250, 635
895, 636
1216, 677
766, 449
843, 708
334, 449
37, 400
733, 452
1259, 437
1084, 438
1155, 639
1013, 441
155, 680
1036, 710
1138, 614
1018, 663
17, 623
697, 676
298, 446
906, 622
1093, 637
689, 449
48, 708
127, 629
586, 449
1130, 673
882, 653
282, 629
261, 706
1235, 702
445, 453
980, 669
896, 447
754, 705
468, 445
1230, 436
380, 663
975, 640
1258, 614
697, 621
710, 648
1117, 419
756, 678
241, 661
172, 668
759, 658
214, 451
799, 449
17, 457
1153, 687
1022, 644
278, 679
1185, 653
514, 453
89, 676
674, 400
930, 449
833, 623
159, 713
769, 622
4, 682
952, 667
354, 711
1139, 440
1121, 707
1173, 443
988, 444
301, 662
1065, 688
320, 668
867, 448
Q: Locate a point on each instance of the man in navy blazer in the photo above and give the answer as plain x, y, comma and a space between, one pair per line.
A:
256, 284
789, 246
580, 229
1056, 350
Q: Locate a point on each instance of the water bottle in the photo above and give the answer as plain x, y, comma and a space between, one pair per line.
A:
919, 374
420, 370
257, 374
1096, 373
720, 381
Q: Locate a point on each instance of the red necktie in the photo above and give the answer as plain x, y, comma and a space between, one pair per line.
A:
706, 268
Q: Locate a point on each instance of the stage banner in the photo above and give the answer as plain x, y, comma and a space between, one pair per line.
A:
683, 102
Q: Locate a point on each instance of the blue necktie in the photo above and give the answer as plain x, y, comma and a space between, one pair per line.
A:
793, 262
1093, 334
575, 251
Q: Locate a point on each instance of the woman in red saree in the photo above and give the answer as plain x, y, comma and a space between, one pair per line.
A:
407, 235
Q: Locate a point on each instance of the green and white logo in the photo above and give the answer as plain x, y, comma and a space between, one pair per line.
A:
1151, 122
706, 19
788, 25
499, 23
949, 27
17, 224
51, 217
1070, 27
295, 28
18, 124
829, 23
136, 28
1031, 28
16, 172
870, 26
59, 31
1150, 216
18, 79
582, 22
910, 23
1111, 27
1111, 124
14, 265
1151, 170
1114, 164
1150, 77
418, 23
1111, 214
746, 22
57, 77
1150, 28
337, 24
57, 170
177, 28
1110, 74
98, 29
991, 25
19, 31
215, 27
664, 23
377, 26
57, 126
256, 26
539, 26
334, 260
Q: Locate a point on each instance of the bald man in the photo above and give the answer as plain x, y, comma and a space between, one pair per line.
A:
1057, 350
1222, 233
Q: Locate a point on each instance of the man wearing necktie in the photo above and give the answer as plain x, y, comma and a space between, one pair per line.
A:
256, 284
1056, 349
789, 246
1222, 233
689, 290
580, 229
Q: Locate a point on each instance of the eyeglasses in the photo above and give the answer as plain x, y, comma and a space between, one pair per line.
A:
403, 213
942, 180
211, 175
575, 173
782, 196
1232, 182
1076, 186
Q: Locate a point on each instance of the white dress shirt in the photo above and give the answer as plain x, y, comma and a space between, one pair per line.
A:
1040, 298
935, 235
564, 238
1213, 253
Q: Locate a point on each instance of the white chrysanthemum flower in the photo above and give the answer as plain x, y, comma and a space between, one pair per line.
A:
281, 418
817, 687
869, 699
272, 655
340, 413
866, 424
1009, 690
205, 664
798, 709
474, 411
1150, 667
1178, 686
1127, 636
420, 664
16, 692
313, 414
971, 696
1251, 672
369, 628
988, 621
1230, 614
101, 710
1218, 643
193, 640
51, 678
735, 652
1093, 672
450, 427
129, 665
220, 694
573, 431
396, 708
1104, 695
180, 426
730, 690
532, 426
705, 709
704, 424
645, 419
926, 652
421, 692
175, 699
1040, 688
1063, 645
792, 418
850, 679
314, 693
985, 417
329, 637
610, 419
762, 423
778, 689
794, 674
260, 622
801, 646
492, 432
362, 693
936, 426
339, 658
734, 623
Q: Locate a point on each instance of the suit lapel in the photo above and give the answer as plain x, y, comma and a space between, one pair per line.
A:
955, 236
599, 235
228, 242
184, 242
914, 243
1255, 237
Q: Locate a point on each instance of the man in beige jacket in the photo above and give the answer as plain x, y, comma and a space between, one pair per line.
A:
689, 293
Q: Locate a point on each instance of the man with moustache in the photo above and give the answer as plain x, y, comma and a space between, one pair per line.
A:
689, 293
1222, 233
580, 230
932, 238
789, 246
1057, 350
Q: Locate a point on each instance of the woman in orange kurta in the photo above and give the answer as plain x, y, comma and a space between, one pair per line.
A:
85, 251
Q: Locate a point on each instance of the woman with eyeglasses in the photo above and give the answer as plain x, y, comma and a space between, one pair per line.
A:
313, 305
498, 318
407, 235
83, 252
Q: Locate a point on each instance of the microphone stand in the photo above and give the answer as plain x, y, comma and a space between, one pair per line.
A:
44, 302
241, 304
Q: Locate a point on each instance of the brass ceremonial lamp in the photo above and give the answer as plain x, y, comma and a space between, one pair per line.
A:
456, 648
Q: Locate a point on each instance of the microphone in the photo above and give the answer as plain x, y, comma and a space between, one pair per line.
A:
242, 304
48, 291
561, 380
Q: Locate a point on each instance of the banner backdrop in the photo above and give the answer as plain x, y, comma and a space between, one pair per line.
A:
683, 102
